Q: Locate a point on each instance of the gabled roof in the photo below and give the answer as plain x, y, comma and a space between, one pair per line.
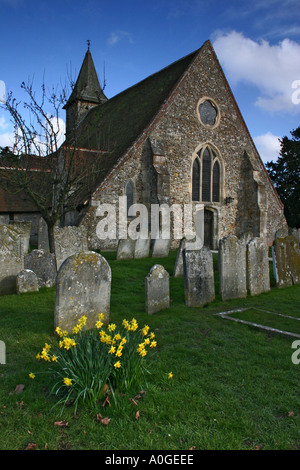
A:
114, 125
87, 86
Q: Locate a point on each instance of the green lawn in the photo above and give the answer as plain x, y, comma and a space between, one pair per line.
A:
234, 386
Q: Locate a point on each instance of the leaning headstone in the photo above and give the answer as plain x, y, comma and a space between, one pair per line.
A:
27, 281
232, 268
24, 229
161, 248
157, 289
258, 272
178, 267
125, 249
83, 287
11, 258
43, 240
69, 241
142, 248
43, 264
199, 284
286, 261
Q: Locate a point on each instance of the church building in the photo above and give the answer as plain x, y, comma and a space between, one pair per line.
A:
176, 137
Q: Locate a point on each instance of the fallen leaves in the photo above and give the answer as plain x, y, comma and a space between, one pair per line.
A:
61, 424
105, 421
19, 389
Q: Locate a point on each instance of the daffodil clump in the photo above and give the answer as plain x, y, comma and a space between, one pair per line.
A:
87, 361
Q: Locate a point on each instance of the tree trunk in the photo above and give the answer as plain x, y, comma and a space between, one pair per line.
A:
51, 238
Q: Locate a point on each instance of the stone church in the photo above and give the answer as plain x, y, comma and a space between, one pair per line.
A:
177, 137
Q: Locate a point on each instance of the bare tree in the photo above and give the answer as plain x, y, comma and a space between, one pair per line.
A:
57, 177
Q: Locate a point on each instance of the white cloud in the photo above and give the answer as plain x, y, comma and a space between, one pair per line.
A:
268, 146
271, 68
117, 36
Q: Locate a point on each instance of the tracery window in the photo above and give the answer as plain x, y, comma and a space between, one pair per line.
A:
206, 176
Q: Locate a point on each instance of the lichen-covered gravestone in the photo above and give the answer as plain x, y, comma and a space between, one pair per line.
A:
232, 268
199, 284
24, 229
157, 289
258, 273
11, 258
142, 248
43, 238
286, 261
27, 281
68, 241
161, 248
43, 264
83, 287
126, 249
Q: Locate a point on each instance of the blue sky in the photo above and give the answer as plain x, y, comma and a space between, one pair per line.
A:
257, 43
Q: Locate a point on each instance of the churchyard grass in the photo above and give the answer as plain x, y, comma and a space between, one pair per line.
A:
233, 386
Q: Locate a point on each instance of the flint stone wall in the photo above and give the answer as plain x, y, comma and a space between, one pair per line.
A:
258, 272
43, 264
68, 241
83, 287
26, 281
157, 289
199, 284
11, 258
232, 268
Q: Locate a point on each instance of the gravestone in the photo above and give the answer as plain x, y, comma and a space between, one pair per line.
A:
43, 240
125, 249
232, 268
24, 229
69, 241
199, 284
27, 281
286, 261
161, 248
83, 287
142, 248
43, 264
157, 289
11, 258
178, 267
258, 272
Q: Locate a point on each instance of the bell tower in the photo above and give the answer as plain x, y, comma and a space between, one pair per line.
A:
86, 94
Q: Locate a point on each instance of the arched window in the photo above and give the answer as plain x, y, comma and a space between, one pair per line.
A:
206, 176
129, 192
196, 180
216, 182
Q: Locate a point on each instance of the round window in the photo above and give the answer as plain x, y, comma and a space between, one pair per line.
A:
208, 113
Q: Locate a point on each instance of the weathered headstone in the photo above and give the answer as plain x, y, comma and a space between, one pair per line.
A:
258, 272
69, 241
125, 249
11, 258
295, 232
178, 267
286, 261
27, 281
43, 264
43, 240
161, 248
157, 289
232, 268
83, 287
199, 284
24, 229
142, 248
